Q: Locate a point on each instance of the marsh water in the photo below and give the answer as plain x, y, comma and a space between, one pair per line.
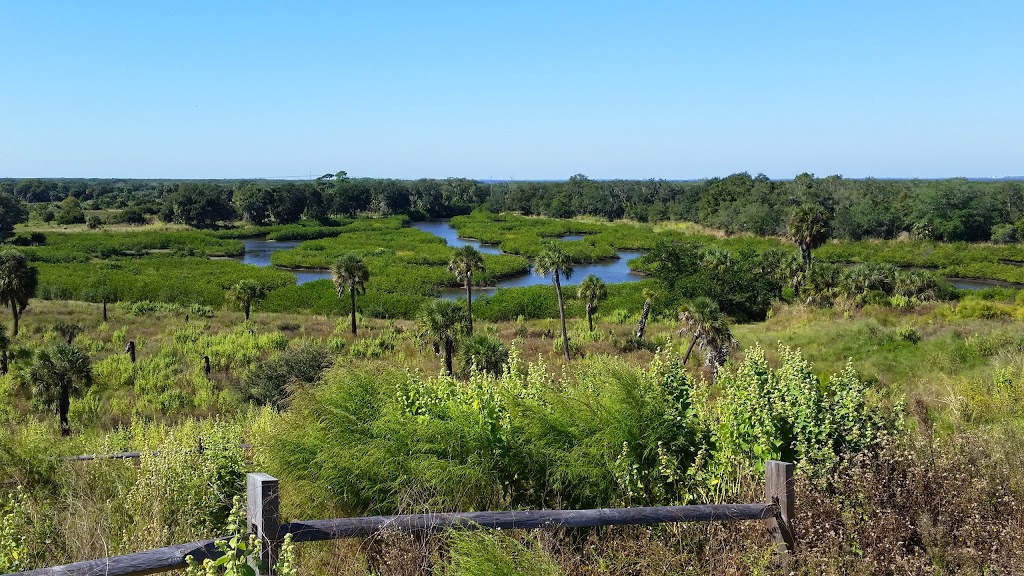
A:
259, 250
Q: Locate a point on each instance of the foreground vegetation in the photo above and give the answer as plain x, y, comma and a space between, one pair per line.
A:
348, 433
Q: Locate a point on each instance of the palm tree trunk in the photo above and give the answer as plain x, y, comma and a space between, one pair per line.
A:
104, 310
642, 326
248, 308
17, 315
469, 303
689, 349
353, 291
590, 317
63, 407
448, 353
805, 252
561, 316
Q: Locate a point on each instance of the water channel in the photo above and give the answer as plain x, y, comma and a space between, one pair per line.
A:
259, 250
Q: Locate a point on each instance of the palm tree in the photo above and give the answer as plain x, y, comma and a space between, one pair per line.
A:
465, 261
641, 326
808, 227
350, 273
5, 343
444, 322
55, 376
592, 290
246, 293
554, 261
18, 283
708, 327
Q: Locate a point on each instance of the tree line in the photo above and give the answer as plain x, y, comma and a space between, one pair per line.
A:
949, 210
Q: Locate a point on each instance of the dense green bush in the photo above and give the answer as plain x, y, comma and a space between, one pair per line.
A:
88, 246
161, 278
612, 435
269, 382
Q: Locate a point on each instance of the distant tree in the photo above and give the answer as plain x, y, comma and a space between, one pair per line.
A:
57, 375
708, 327
93, 222
253, 203
554, 262
288, 204
246, 293
809, 228
464, 263
132, 215
12, 212
101, 290
199, 205
389, 197
592, 290
1004, 234
350, 273
70, 212
444, 322
18, 283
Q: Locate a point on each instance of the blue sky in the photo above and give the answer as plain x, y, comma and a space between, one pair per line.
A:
519, 90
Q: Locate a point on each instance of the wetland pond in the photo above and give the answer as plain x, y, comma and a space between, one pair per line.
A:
259, 250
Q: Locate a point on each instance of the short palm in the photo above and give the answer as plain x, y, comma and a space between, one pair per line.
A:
55, 376
444, 322
708, 328
591, 291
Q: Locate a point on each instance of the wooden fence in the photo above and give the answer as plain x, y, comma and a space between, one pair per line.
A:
263, 505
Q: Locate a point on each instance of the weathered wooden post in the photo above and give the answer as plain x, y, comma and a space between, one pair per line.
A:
263, 516
779, 489
130, 350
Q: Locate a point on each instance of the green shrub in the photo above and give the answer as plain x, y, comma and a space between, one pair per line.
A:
14, 523
975, 308
485, 353
269, 382
908, 334
375, 346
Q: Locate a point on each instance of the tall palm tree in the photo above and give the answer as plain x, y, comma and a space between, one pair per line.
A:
555, 262
18, 283
808, 227
55, 376
708, 327
465, 261
350, 273
444, 322
5, 344
246, 293
592, 290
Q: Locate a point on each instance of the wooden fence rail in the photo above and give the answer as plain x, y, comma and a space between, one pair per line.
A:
132, 455
263, 505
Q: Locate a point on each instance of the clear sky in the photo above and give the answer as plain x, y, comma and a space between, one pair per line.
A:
517, 89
